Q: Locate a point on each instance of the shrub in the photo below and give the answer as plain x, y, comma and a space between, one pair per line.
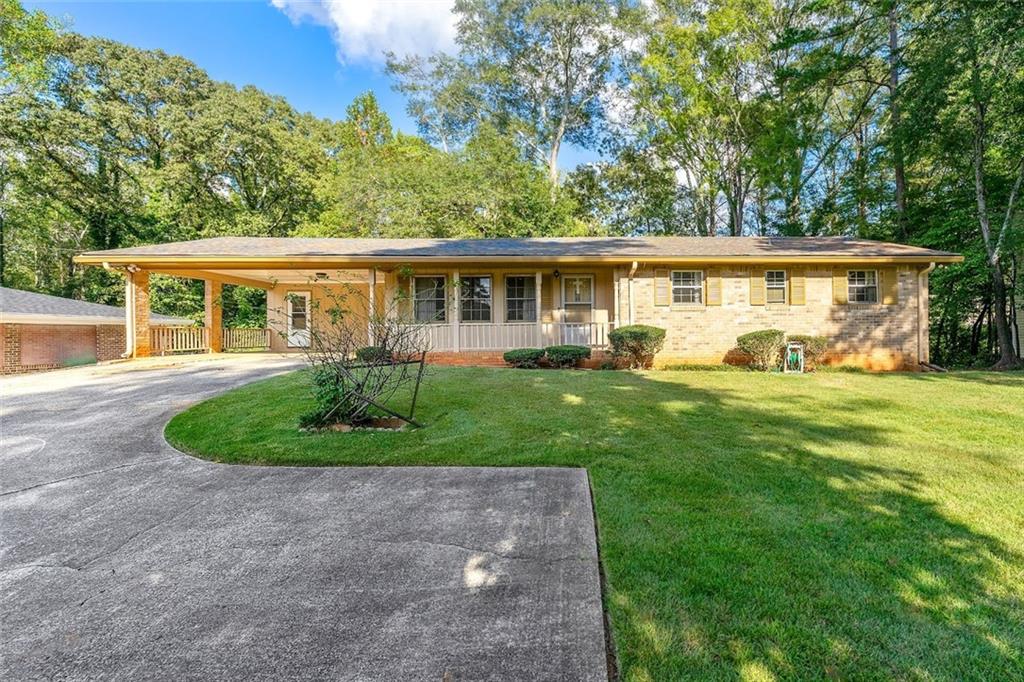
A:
373, 354
524, 358
764, 346
814, 347
638, 343
567, 356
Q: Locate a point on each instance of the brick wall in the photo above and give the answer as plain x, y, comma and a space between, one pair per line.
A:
37, 347
874, 336
110, 341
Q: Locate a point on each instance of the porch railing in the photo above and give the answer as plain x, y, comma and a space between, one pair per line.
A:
164, 340
246, 338
475, 336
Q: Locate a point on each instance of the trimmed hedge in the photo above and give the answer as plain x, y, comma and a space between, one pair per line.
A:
814, 347
524, 358
638, 343
764, 346
567, 356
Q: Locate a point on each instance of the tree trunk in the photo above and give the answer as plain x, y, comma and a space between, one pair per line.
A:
899, 170
1007, 357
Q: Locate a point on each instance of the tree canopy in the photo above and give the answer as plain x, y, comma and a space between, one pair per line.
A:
886, 119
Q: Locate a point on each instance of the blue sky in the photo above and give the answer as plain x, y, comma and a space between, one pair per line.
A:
319, 57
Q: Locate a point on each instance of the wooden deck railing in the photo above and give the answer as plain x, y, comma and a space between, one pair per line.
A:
164, 340
246, 338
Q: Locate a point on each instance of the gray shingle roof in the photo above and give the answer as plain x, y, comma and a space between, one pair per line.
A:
596, 247
15, 304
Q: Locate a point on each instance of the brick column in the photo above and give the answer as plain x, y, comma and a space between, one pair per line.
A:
214, 318
138, 299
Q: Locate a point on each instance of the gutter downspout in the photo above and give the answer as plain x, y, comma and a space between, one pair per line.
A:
922, 322
632, 298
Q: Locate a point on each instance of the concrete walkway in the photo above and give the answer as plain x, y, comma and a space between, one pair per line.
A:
124, 559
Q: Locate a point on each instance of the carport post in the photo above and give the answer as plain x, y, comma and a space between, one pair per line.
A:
214, 315
136, 304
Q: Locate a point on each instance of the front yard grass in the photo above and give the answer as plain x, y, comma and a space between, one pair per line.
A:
752, 526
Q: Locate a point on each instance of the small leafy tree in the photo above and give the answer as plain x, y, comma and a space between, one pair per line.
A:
764, 347
354, 383
638, 343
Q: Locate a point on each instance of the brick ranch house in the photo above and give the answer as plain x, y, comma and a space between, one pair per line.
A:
869, 298
39, 332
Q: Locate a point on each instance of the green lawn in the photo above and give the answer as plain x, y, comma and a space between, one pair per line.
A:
752, 526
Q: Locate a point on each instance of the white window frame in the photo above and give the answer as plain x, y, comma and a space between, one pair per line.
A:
699, 287
489, 299
769, 287
444, 297
536, 298
851, 286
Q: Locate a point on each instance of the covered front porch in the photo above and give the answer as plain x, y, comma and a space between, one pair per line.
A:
464, 309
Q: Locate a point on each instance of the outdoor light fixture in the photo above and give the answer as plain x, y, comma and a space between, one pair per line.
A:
557, 274
321, 275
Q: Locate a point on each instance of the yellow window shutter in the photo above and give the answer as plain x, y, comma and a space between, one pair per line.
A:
714, 287
890, 283
840, 290
797, 287
662, 290
757, 286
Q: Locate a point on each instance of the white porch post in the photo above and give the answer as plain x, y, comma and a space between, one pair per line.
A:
616, 279
630, 294
129, 314
538, 279
457, 291
371, 307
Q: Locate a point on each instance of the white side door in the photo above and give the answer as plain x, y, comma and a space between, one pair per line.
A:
298, 319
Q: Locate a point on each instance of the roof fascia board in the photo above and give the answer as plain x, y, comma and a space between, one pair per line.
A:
193, 262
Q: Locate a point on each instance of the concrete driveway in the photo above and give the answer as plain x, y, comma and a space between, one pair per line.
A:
123, 558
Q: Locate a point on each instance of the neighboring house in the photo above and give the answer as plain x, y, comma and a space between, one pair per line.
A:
869, 298
40, 332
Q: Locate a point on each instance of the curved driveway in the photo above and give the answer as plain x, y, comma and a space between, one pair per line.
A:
122, 558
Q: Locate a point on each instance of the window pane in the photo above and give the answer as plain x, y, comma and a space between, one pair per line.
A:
476, 299
429, 304
687, 286
520, 299
578, 290
862, 286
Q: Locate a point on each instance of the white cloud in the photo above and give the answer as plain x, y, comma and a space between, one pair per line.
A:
364, 29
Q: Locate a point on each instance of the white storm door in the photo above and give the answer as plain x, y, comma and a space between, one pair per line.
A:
298, 319
578, 309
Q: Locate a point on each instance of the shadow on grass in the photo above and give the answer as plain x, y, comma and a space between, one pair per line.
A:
735, 544
751, 527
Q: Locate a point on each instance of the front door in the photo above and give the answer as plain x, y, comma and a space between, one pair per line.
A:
578, 308
298, 319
